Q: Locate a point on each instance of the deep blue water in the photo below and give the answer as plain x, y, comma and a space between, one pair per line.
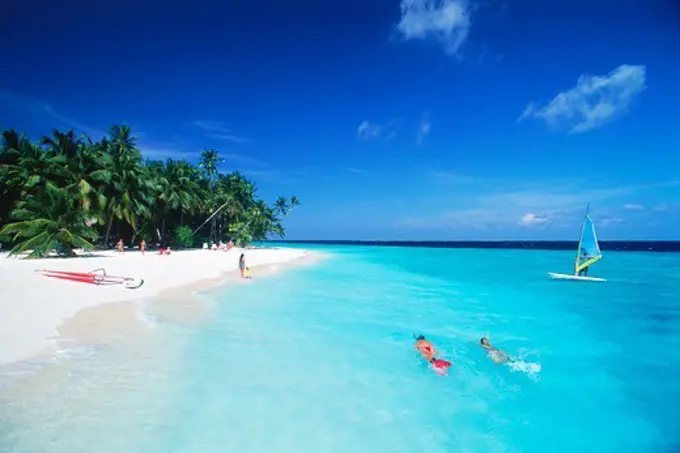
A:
630, 246
321, 359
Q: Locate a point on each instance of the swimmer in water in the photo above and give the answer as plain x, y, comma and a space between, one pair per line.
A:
496, 355
425, 347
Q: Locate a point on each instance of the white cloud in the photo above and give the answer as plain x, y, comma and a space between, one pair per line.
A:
447, 21
424, 128
368, 130
553, 194
610, 220
219, 130
593, 102
530, 220
667, 208
505, 204
633, 207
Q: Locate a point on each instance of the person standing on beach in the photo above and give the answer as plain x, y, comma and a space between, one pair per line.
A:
242, 264
119, 246
142, 246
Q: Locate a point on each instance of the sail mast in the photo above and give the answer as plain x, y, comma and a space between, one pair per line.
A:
580, 239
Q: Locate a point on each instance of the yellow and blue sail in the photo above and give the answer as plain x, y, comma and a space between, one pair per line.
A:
588, 248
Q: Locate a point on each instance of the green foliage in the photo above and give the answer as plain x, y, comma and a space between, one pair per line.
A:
50, 221
67, 191
183, 237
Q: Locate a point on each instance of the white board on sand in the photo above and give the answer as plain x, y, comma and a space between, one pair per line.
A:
575, 277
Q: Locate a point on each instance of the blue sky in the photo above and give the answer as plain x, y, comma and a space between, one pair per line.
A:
389, 120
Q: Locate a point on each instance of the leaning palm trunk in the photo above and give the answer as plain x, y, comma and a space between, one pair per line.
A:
210, 218
108, 231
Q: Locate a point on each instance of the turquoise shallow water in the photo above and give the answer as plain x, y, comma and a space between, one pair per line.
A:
321, 359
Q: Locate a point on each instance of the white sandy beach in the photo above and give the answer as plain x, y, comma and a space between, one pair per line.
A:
33, 306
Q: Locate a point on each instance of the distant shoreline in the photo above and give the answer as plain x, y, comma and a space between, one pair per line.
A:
624, 246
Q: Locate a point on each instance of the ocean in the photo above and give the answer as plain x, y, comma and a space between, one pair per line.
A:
321, 358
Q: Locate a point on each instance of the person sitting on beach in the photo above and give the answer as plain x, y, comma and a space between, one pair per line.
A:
425, 347
496, 355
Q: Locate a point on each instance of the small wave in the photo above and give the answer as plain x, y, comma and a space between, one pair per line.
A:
76, 352
18, 370
146, 317
531, 369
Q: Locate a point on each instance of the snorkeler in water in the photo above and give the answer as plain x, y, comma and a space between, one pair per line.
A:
496, 355
425, 347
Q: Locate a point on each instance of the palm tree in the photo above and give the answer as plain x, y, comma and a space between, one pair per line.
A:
281, 205
294, 201
67, 190
12, 179
177, 191
50, 221
210, 160
129, 190
122, 140
85, 167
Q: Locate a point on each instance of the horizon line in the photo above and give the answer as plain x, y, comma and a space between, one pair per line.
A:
466, 240
639, 245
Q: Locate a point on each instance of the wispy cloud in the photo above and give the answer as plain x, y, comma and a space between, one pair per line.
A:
593, 102
39, 107
161, 152
530, 220
94, 132
424, 128
633, 207
503, 203
446, 21
368, 130
220, 131
668, 208
275, 176
610, 221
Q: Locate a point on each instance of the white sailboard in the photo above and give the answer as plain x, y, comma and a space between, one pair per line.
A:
588, 253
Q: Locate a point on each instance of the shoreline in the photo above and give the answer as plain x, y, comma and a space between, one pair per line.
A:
41, 313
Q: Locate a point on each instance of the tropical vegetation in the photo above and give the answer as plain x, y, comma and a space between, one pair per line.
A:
68, 192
